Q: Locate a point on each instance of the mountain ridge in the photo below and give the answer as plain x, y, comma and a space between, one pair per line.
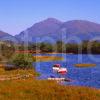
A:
56, 29
52, 27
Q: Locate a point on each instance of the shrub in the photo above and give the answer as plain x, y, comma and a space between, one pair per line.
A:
23, 61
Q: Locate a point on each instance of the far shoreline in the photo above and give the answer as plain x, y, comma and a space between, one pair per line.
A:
40, 52
66, 53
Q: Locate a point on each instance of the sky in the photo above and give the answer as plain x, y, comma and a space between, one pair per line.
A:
18, 15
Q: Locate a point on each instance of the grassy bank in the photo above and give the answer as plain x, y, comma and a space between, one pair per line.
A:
32, 89
47, 58
18, 71
85, 65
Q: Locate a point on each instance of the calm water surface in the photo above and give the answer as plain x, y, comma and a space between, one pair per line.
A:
80, 76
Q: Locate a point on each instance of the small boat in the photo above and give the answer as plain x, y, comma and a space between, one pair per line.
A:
57, 79
59, 70
56, 67
62, 70
60, 79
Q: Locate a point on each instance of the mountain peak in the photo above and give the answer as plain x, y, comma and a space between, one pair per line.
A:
49, 25
52, 20
47, 22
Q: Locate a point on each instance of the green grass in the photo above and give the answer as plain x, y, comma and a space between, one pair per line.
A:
85, 65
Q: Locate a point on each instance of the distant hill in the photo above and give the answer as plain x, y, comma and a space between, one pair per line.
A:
5, 36
80, 26
54, 29
2, 34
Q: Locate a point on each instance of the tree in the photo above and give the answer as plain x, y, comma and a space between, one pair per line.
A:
7, 49
60, 46
72, 48
46, 47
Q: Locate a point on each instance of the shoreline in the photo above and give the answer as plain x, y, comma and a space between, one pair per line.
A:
31, 52
47, 58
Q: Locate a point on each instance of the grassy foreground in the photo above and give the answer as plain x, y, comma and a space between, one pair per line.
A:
32, 89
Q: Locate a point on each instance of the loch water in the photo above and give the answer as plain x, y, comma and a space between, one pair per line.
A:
80, 76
